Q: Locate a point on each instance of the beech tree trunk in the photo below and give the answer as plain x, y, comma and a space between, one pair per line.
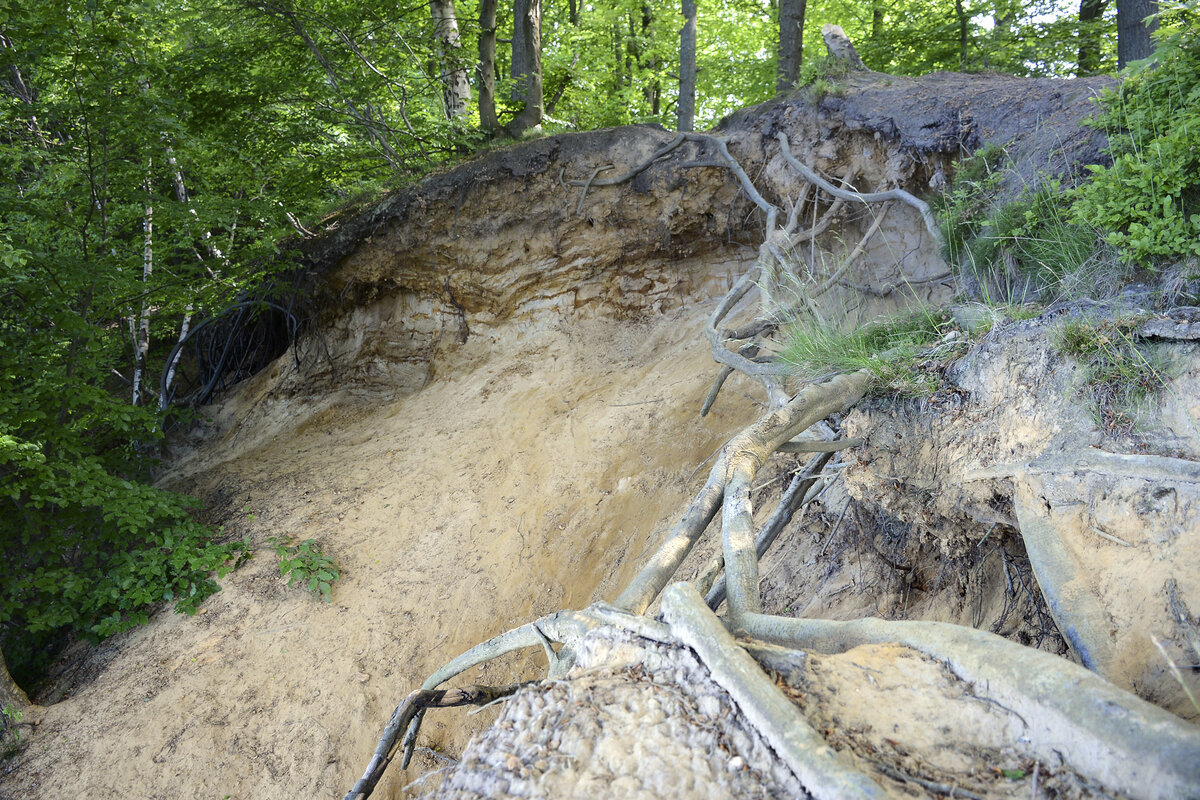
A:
457, 89
652, 91
686, 112
528, 29
791, 43
1133, 33
487, 65
519, 69
1090, 13
11, 695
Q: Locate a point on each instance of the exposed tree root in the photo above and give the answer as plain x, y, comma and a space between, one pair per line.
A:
416, 702
1071, 714
794, 740
1104, 732
796, 496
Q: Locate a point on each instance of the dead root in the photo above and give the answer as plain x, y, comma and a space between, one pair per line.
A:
1070, 714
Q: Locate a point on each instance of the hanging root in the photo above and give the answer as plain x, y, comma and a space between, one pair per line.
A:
564, 627
907, 198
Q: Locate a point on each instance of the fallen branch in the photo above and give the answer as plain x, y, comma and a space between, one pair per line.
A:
416, 702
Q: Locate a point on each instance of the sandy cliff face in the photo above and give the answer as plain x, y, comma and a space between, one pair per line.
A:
496, 417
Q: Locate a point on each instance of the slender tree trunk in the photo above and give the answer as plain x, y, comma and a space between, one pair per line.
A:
1090, 13
877, 24
487, 65
791, 43
520, 51
1133, 33
960, 14
139, 324
530, 28
457, 89
687, 67
378, 131
653, 88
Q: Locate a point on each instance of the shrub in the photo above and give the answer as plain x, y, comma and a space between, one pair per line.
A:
1148, 201
1026, 246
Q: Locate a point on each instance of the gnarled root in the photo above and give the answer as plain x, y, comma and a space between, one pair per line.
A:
416, 702
1101, 730
794, 740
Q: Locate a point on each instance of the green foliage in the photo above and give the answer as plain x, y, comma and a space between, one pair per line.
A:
88, 548
821, 77
1121, 373
904, 353
10, 737
1026, 246
1149, 199
305, 563
1020, 37
156, 151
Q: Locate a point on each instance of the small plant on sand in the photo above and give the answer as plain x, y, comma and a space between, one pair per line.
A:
305, 563
10, 738
905, 353
1121, 373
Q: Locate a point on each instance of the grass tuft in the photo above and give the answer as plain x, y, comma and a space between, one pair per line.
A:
905, 353
1121, 373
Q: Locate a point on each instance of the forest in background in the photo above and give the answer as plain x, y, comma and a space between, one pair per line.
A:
157, 153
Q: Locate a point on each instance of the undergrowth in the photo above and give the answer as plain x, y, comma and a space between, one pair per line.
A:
822, 77
1054, 240
1121, 373
1025, 248
1148, 200
10, 737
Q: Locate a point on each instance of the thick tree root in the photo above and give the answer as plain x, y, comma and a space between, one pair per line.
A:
1102, 731
794, 740
659, 570
794, 498
1076, 609
748, 451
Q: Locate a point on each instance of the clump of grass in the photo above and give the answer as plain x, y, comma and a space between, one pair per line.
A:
10, 737
905, 353
1121, 373
1023, 248
821, 77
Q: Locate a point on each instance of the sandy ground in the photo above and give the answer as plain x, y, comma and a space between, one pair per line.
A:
529, 476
